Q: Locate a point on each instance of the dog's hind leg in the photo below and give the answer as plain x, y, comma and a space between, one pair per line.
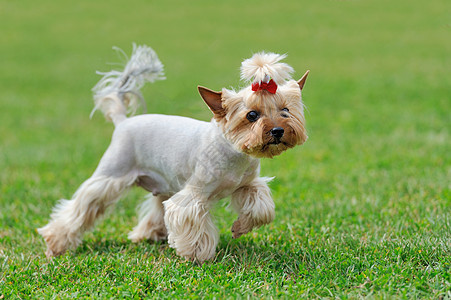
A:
254, 205
70, 218
151, 220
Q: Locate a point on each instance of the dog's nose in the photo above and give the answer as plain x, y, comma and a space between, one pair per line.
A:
277, 132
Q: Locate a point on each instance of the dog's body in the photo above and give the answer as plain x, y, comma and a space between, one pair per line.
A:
187, 165
166, 153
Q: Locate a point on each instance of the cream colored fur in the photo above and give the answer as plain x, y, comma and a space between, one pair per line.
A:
254, 205
70, 218
151, 221
187, 165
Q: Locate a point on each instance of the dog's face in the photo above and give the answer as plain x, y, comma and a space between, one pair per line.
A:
260, 123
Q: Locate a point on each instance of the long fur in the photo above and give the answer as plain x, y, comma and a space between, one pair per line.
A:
70, 218
261, 65
251, 138
186, 164
254, 205
190, 226
118, 92
151, 221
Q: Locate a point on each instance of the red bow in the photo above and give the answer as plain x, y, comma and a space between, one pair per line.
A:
270, 86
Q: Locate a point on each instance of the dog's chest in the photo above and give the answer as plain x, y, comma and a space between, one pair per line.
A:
231, 179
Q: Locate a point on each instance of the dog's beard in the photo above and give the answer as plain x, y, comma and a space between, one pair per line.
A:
262, 145
269, 150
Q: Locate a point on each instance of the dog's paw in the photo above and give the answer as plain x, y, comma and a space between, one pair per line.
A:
153, 232
241, 226
49, 253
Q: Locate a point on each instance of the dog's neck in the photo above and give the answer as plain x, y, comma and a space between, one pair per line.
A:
220, 138
227, 149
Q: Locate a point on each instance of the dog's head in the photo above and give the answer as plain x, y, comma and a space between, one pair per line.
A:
267, 117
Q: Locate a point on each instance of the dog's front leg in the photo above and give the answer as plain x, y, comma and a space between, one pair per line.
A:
190, 228
254, 205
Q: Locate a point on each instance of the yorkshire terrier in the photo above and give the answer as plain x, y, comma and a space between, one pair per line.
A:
186, 164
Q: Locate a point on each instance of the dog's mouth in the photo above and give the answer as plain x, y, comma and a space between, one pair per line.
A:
275, 142
270, 149
271, 146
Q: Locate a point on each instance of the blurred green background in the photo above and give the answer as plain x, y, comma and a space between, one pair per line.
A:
375, 171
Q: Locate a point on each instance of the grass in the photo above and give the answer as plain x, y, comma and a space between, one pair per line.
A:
362, 209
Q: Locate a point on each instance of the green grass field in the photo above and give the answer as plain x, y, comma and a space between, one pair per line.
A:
363, 209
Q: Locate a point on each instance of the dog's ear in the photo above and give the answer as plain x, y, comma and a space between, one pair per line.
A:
301, 81
212, 99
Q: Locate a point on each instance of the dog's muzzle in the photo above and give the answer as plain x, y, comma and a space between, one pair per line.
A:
277, 134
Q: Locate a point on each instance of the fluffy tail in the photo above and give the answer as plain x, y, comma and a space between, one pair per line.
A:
118, 93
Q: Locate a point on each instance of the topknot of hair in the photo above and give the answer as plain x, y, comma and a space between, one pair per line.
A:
262, 66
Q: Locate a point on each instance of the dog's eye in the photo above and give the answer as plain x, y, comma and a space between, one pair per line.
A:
284, 114
252, 116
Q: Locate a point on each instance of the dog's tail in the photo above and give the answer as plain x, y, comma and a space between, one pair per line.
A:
118, 93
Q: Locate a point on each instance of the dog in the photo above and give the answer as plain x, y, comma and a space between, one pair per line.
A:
186, 164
